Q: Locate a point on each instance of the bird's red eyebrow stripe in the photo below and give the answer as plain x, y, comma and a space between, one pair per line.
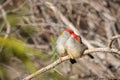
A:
76, 37
70, 31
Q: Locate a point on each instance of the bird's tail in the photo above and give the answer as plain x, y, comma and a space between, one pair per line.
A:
91, 56
73, 61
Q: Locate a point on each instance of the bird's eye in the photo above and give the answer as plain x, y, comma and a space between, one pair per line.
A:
80, 39
70, 31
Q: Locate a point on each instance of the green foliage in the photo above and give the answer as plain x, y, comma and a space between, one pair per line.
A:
14, 19
14, 47
6, 54
11, 46
28, 30
56, 75
39, 54
52, 39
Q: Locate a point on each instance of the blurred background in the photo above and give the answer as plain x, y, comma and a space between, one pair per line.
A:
29, 29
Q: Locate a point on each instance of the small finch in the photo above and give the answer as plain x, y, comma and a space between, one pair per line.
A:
68, 43
75, 47
60, 44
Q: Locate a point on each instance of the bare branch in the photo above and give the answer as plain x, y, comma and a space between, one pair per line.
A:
106, 50
112, 39
116, 33
62, 59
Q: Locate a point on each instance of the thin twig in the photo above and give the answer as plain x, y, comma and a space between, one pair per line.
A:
106, 50
116, 33
112, 39
62, 59
4, 15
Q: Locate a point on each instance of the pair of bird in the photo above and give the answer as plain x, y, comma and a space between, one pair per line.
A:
69, 43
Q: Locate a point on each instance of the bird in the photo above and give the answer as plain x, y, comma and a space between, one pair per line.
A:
74, 46
60, 44
69, 43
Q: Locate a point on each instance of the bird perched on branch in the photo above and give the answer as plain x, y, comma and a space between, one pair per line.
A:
74, 46
68, 43
60, 44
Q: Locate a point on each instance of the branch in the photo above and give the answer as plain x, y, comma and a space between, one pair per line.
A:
105, 50
62, 59
112, 39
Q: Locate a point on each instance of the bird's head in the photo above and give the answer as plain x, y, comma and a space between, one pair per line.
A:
69, 31
77, 37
